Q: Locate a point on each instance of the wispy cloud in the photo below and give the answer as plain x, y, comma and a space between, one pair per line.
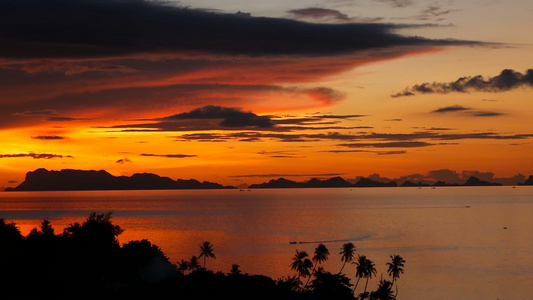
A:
49, 137
35, 155
169, 155
319, 14
452, 108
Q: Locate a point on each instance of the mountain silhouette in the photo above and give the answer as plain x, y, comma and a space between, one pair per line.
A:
529, 181
474, 181
334, 182
367, 182
83, 180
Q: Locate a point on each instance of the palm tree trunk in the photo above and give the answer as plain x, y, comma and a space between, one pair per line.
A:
204, 261
359, 278
344, 264
366, 284
314, 269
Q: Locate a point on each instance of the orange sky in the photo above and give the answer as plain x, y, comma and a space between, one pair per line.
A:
299, 90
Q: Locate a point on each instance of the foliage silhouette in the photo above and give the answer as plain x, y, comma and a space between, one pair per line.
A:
86, 260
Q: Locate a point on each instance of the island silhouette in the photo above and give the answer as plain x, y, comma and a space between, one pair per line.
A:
82, 180
86, 180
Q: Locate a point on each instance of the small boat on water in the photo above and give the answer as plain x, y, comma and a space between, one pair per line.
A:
293, 243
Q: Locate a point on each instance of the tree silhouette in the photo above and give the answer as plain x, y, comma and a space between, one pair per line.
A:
395, 267
331, 286
193, 263
384, 291
235, 270
206, 250
348, 254
365, 268
183, 266
321, 255
301, 264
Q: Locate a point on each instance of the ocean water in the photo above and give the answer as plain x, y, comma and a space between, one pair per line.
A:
458, 242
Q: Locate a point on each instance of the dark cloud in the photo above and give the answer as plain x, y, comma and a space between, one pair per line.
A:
49, 137
367, 151
231, 117
414, 144
281, 154
487, 114
286, 175
438, 129
319, 14
123, 161
391, 139
452, 108
507, 80
35, 155
393, 120
169, 155
82, 28
12, 181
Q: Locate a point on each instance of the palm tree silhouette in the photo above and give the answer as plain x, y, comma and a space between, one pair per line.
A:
370, 270
183, 266
321, 255
301, 264
395, 267
193, 263
206, 250
365, 268
348, 254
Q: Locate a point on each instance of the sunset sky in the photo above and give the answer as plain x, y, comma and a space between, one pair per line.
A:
245, 91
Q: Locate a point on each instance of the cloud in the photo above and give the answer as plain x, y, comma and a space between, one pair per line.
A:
277, 175
169, 155
231, 117
123, 161
397, 3
487, 114
320, 14
507, 80
434, 12
446, 175
414, 144
281, 154
85, 28
452, 108
35, 155
49, 137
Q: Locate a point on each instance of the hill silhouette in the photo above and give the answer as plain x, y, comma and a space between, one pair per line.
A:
84, 180
337, 182
529, 181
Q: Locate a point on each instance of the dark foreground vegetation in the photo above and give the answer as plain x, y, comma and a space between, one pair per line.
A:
86, 260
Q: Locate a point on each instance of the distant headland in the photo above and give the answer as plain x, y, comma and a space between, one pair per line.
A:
87, 180
81, 180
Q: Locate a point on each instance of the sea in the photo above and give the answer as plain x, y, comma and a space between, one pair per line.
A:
458, 242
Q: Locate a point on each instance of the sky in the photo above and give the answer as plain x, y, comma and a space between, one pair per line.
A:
240, 92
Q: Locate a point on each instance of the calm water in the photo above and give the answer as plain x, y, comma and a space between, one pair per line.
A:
453, 239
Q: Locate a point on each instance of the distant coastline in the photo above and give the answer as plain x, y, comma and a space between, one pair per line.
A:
90, 180
87, 180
